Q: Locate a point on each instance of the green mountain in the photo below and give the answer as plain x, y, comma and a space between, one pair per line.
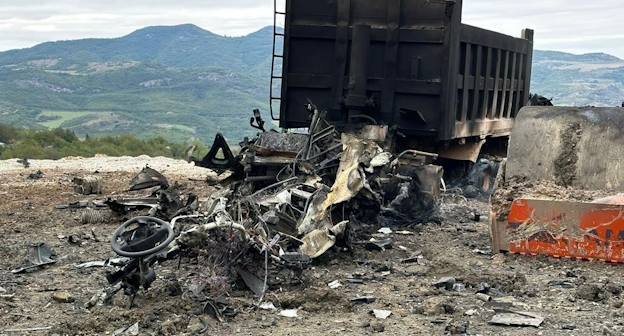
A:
185, 83
180, 82
579, 80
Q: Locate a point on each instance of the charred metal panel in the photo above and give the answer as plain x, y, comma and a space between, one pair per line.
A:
493, 81
423, 70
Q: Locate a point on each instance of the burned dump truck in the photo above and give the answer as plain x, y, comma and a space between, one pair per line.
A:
438, 85
384, 89
407, 74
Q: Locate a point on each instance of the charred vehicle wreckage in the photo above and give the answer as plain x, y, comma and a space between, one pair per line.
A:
284, 200
388, 100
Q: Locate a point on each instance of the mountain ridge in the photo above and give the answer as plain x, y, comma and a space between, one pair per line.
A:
186, 82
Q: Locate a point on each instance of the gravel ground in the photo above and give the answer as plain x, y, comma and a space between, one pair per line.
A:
105, 164
458, 247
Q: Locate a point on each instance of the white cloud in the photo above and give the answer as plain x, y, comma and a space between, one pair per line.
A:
567, 25
577, 26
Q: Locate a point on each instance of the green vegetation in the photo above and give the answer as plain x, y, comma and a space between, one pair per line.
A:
58, 143
182, 83
58, 117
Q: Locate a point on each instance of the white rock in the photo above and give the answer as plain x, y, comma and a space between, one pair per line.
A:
385, 230
289, 313
334, 284
267, 306
381, 314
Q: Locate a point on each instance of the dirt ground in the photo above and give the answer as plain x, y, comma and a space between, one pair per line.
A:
457, 246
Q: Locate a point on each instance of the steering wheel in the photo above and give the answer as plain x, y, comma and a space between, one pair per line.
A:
146, 246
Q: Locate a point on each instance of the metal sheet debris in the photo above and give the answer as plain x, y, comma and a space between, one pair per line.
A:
38, 255
516, 318
282, 201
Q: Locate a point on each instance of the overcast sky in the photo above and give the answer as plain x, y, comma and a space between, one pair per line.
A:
577, 26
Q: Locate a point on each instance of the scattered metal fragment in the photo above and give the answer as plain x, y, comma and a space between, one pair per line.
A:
484, 297
132, 330
92, 216
204, 325
104, 263
258, 119
220, 157
318, 242
357, 280
24, 162
516, 318
214, 308
253, 282
483, 287
82, 205
124, 205
39, 255
296, 258
458, 287
363, 300
148, 178
416, 258
457, 328
379, 244
446, 282
36, 176
564, 284
27, 329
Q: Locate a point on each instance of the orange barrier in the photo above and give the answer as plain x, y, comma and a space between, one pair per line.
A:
567, 229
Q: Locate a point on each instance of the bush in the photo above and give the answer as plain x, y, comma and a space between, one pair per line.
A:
59, 143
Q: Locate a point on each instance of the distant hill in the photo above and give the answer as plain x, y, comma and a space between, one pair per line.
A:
181, 82
184, 82
579, 80
184, 46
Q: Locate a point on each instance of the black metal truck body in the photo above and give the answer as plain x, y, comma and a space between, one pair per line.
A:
409, 63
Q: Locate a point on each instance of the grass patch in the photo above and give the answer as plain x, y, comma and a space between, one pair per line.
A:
63, 117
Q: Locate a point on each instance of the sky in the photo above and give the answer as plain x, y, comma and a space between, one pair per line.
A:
576, 26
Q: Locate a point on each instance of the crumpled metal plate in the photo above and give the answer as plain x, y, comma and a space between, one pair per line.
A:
38, 255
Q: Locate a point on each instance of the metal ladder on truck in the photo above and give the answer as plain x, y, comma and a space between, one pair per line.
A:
276, 56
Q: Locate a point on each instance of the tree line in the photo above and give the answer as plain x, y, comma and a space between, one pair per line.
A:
59, 143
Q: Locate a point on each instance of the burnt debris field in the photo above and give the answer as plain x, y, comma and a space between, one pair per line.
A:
318, 232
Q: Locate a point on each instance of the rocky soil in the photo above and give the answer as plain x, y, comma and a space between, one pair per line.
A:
586, 300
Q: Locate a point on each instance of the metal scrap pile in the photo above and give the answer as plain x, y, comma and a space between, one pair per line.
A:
286, 199
292, 196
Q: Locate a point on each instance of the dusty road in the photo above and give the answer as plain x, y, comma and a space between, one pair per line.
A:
590, 302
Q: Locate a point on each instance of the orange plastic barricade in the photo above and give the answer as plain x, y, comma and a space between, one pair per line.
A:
567, 229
